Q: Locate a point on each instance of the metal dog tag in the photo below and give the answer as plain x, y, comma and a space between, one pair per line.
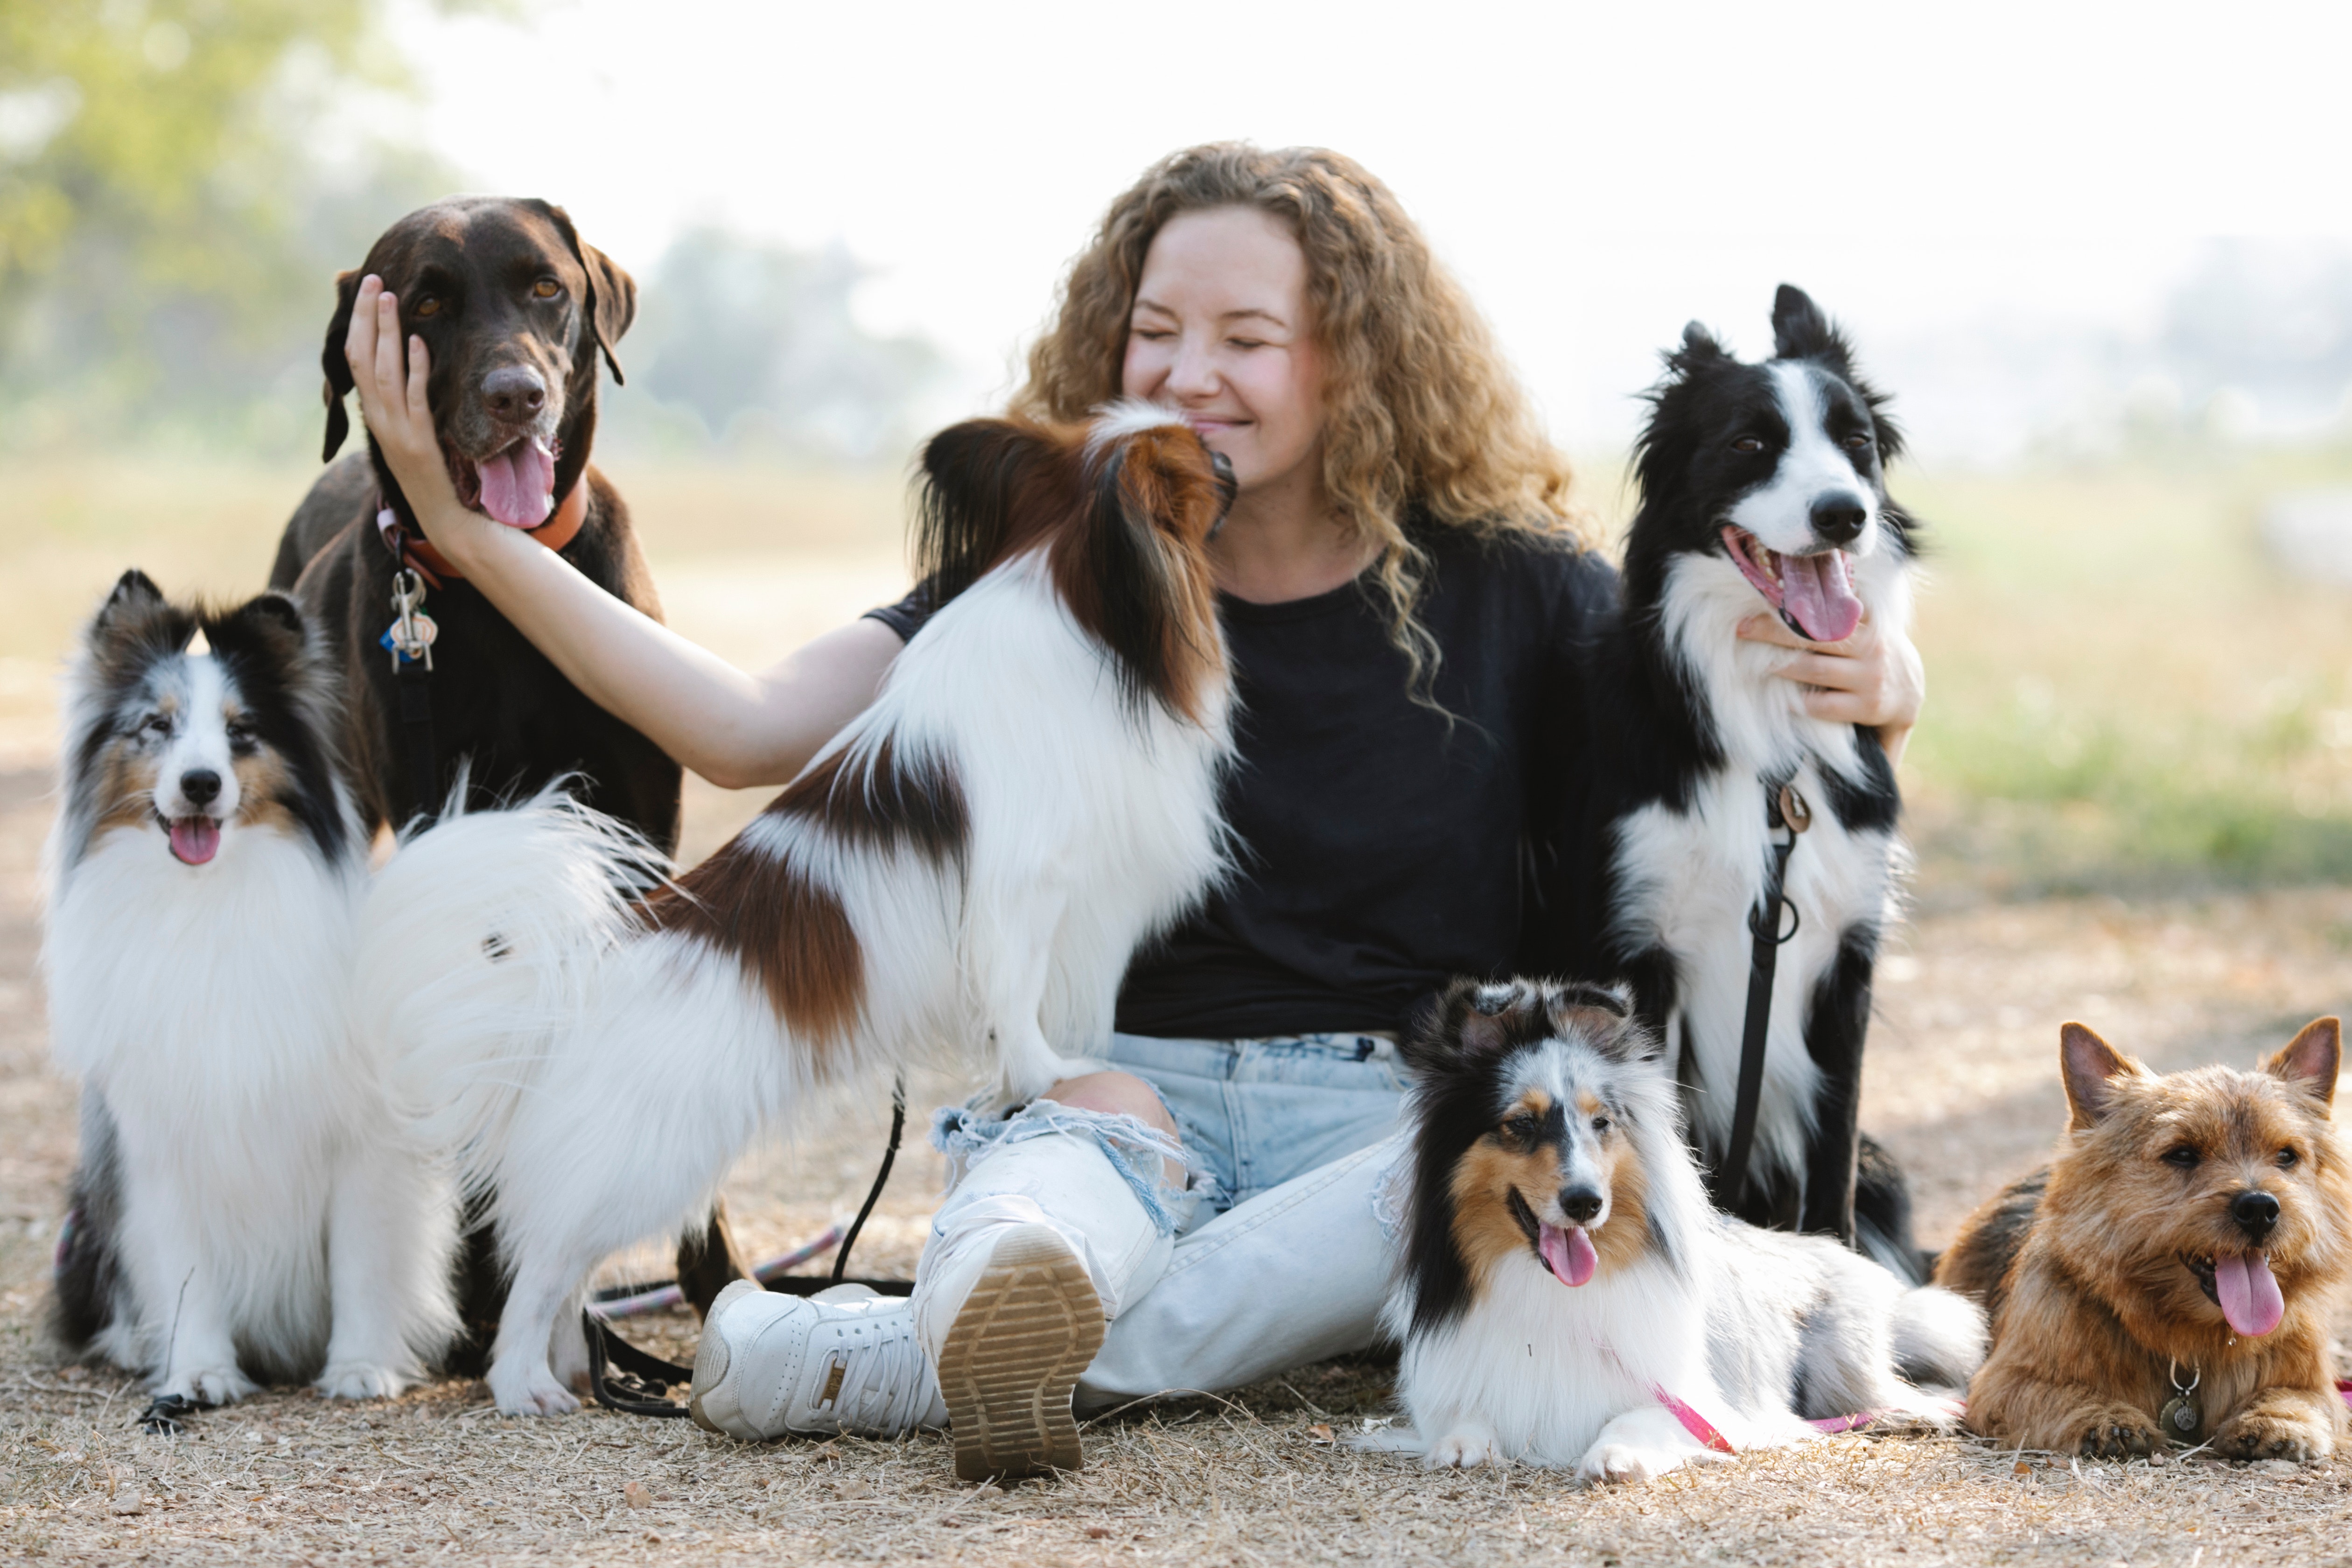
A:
2179, 1418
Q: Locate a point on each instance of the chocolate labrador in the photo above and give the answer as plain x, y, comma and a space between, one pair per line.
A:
516, 311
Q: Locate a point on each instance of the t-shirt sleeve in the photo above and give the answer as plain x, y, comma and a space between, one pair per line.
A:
909, 616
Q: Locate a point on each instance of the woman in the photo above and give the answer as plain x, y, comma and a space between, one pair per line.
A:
1402, 588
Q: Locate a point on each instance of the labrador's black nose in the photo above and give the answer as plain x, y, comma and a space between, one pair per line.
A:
514, 393
2256, 1213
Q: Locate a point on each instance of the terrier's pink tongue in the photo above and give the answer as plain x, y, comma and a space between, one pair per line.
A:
1820, 594
2248, 1292
1567, 1252
518, 484
194, 839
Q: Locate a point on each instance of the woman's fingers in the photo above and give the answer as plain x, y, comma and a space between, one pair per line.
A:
420, 369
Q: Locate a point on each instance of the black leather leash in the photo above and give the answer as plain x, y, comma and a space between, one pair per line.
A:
623, 1378
1784, 811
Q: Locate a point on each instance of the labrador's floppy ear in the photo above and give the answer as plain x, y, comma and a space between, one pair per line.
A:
612, 292
338, 368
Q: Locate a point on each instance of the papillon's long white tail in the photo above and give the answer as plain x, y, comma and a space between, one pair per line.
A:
480, 941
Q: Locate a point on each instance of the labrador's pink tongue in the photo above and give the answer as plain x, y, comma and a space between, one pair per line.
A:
194, 839
1820, 594
1568, 1253
2248, 1292
518, 484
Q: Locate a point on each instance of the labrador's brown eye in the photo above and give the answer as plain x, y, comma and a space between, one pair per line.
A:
546, 288
427, 306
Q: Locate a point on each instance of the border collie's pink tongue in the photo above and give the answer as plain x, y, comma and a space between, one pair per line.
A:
1821, 596
518, 484
1567, 1252
2248, 1292
194, 839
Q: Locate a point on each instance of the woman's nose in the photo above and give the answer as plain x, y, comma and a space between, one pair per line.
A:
1193, 372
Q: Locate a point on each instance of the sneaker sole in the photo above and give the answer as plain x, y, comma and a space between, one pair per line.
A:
1012, 1358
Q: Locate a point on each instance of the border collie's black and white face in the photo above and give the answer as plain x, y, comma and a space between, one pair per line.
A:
1779, 466
193, 726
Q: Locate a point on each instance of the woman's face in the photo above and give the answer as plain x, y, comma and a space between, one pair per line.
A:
1221, 331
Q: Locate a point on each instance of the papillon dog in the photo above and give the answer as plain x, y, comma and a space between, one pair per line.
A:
960, 875
246, 1209
1568, 1297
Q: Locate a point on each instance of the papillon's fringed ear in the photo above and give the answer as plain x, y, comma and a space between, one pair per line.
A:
1125, 574
974, 477
338, 367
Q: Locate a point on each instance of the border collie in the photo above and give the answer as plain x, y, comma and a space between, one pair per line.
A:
1569, 1299
962, 873
1763, 488
245, 1208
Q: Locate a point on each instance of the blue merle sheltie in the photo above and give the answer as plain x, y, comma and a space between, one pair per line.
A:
1567, 1296
1762, 490
244, 1208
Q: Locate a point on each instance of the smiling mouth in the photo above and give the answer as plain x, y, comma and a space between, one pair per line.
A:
1814, 593
194, 839
515, 485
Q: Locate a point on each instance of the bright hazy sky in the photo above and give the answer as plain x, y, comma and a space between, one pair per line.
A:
1598, 173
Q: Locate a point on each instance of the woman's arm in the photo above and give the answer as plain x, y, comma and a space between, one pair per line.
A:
1865, 679
734, 728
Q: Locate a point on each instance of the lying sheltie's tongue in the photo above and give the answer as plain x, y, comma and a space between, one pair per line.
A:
2249, 1293
1567, 1252
518, 484
194, 839
1814, 592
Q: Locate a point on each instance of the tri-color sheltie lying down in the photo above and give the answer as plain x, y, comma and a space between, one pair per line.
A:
1763, 491
960, 875
246, 1209
1569, 1299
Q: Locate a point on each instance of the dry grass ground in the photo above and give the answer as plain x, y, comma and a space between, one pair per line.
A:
1961, 1086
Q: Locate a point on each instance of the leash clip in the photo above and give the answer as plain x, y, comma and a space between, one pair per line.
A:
412, 633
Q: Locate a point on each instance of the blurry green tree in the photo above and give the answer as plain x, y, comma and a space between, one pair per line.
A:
179, 180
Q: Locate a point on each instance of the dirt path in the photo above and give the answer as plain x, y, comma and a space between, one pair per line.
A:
1962, 1088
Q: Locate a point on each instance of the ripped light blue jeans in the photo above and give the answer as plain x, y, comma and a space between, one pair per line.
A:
1275, 1252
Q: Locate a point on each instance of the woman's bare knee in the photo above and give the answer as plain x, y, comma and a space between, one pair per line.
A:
1116, 1094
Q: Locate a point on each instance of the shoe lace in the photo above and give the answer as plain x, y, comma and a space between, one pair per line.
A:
887, 1383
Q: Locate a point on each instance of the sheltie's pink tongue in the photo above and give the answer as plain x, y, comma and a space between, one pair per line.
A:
194, 839
2248, 1292
1821, 596
1567, 1252
518, 484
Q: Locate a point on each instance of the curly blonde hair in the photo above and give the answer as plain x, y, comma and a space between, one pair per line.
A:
1421, 414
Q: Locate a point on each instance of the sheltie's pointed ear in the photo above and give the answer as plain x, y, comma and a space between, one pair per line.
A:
1603, 1016
273, 620
1472, 1018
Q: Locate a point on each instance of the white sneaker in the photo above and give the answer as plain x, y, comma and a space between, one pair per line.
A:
1014, 1354
844, 1360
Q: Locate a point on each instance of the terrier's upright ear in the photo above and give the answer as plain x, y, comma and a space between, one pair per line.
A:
2311, 1059
2091, 1067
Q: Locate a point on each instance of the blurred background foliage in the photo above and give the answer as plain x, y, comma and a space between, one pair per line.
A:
2131, 686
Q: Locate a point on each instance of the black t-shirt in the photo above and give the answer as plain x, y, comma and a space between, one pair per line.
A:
1385, 846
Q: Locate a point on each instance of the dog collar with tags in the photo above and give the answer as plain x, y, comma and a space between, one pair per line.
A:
412, 551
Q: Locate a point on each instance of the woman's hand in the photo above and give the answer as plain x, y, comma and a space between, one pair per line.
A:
1867, 679
391, 378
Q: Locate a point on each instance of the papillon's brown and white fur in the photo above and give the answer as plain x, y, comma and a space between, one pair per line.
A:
962, 874
1569, 1299
246, 1209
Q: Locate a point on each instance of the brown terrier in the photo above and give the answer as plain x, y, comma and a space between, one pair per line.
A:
2168, 1276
